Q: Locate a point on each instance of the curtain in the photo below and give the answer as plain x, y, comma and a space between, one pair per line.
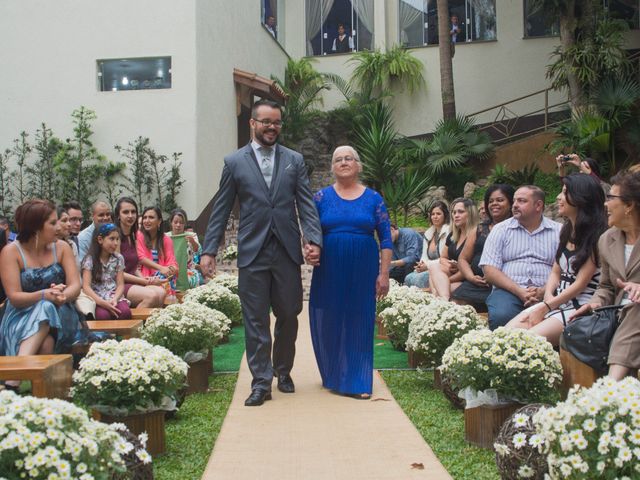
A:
317, 13
364, 9
410, 11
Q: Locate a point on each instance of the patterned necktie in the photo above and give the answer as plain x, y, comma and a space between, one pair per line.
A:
265, 164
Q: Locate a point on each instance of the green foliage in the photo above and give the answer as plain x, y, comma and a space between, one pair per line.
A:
20, 151
140, 179
6, 194
42, 178
550, 183
378, 72
302, 84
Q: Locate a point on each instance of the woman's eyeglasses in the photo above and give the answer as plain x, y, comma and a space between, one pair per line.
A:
611, 197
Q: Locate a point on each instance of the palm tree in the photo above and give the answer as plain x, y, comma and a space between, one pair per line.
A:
446, 63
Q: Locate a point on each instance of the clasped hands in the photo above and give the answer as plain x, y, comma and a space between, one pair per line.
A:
312, 254
55, 293
531, 295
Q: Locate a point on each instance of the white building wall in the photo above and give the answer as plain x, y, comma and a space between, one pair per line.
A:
49, 69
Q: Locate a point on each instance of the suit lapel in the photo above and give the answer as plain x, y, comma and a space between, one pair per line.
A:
616, 246
634, 261
252, 161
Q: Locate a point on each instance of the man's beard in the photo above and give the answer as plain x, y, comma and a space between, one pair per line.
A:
263, 141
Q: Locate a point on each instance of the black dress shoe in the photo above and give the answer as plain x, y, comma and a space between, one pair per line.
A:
257, 398
285, 384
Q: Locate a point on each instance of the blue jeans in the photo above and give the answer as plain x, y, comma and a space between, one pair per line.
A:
417, 279
502, 307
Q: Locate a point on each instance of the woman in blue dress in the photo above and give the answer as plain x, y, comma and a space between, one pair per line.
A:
350, 276
41, 281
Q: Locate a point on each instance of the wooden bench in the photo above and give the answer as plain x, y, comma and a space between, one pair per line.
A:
141, 313
50, 375
574, 372
122, 328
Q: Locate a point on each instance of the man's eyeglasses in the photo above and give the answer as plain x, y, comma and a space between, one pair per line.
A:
269, 123
611, 197
346, 158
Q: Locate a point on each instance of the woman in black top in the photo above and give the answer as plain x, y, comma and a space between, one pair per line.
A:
498, 200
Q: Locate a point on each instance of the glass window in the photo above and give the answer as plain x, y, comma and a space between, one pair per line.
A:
134, 74
625, 10
339, 26
537, 23
271, 13
470, 20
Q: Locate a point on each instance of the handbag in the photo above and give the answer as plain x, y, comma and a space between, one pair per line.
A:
588, 337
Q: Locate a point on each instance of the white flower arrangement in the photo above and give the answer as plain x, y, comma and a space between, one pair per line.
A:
436, 325
217, 297
402, 309
516, 364
43, 438
131, 376
187, 329
230, 253
226, 280
595, 433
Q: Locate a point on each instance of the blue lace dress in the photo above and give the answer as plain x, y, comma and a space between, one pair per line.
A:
342, 304
21, 323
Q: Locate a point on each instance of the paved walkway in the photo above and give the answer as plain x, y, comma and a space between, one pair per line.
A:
314, 434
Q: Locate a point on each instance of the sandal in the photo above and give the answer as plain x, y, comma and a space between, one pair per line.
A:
359, 396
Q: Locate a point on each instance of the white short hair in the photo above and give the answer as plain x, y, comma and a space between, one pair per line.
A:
353, 152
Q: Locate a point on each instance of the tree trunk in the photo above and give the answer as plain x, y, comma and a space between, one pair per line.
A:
446, 63
567, 39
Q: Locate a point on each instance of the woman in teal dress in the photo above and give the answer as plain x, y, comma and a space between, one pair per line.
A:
351, 274
41, 280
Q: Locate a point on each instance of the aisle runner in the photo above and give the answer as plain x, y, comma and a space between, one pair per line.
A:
314, 434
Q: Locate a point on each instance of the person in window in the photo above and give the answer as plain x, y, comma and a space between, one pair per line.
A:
343, 43
456, 33
270, 25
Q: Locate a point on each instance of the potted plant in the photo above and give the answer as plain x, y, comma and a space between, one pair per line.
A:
594, 433
217, 297
498, 371
226, 280
190, 330
43, 438
434, 328
131, 382
399, 309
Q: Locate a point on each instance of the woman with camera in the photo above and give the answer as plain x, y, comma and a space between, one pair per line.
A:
620, 272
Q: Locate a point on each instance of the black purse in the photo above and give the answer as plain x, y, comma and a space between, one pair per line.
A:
588, 337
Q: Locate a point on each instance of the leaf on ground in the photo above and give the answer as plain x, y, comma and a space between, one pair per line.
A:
381, 344
380, 400
417, 466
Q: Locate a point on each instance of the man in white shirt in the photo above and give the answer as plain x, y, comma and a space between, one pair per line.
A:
270, 25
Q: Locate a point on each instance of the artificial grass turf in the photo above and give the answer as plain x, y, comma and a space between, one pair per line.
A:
227, 356
191, 435
440, 425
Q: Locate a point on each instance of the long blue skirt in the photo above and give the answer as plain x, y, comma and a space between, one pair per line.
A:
342, 310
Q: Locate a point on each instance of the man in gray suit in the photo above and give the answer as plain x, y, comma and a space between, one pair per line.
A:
271, 184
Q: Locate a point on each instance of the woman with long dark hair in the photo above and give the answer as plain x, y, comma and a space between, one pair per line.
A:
575, 273
140, 291
474, 290
155, 249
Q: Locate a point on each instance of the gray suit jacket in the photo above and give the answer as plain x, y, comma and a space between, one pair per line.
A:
263, 208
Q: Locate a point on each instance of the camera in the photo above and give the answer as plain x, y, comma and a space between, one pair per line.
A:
566, 158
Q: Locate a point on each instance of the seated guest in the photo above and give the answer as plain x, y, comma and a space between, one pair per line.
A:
518, 255
103, 274
619, 251
4, 225
74, 210
343, 43
100, 213
155, 249
63, 229
434, 242
142, 292
407, 249
444, 275
185, 247
41, 281
474, 290
575, 273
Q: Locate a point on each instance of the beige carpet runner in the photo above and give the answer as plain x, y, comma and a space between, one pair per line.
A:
314, 434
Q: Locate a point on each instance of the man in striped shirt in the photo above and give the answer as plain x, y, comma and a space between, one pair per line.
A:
518, 255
